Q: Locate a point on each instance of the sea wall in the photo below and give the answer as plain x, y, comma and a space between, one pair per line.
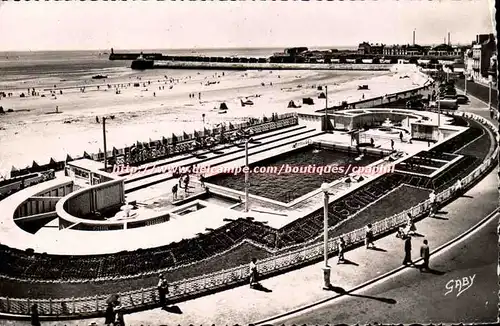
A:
270, 66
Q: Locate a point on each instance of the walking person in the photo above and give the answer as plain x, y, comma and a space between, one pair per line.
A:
369, 236
110, 315
410, 225
341, 250
162, 291
432, 201
253, 273
407, 259
392, 144
35, 320
425, 254
202, 180
401, 136
458, 187
120, 321
174, 191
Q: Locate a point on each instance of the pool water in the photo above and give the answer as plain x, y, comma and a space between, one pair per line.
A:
286, 187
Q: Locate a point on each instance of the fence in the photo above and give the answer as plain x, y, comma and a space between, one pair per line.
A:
166, 146
179, 290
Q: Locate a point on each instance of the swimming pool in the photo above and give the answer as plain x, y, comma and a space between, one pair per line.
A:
286, 187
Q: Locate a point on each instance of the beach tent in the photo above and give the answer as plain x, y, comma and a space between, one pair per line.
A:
206, 132
68, 158
291, 104
196, 135
322, 95
14, 172
174, 139
185, 136
164, 140
115, 151
231, 127
86, 155
34, 167
308, 101
223, 106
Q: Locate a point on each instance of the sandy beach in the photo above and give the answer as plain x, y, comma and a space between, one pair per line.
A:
162, 105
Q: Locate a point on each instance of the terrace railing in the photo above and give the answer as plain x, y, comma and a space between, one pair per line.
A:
148, 297
154, 149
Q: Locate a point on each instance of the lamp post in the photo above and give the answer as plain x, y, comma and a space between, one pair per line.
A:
104, 139
465, 89
246, 173
326, 268
489, 95
326, 108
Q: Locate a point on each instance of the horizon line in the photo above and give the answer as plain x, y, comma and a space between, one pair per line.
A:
219, 48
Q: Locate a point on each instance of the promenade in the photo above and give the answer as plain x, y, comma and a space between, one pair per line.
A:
303, 288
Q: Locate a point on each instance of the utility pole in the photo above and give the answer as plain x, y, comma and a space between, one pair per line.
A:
105, 148
326, 108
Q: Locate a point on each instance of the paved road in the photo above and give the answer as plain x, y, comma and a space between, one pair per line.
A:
414, 297
479, 91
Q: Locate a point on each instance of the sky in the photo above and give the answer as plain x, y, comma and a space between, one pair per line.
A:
75, 25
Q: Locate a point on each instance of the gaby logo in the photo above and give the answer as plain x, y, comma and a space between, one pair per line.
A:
460, 285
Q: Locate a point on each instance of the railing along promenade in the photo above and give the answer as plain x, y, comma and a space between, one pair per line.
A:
310, 252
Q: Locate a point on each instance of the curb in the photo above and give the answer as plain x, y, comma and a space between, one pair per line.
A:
390, 273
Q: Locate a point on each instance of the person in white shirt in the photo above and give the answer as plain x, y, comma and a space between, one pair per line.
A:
458, 187
162, 290
432, 200
253, 273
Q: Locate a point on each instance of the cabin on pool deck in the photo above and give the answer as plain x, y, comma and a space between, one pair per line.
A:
86, 172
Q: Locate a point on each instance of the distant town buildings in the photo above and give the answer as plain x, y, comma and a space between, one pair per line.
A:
481, 59
367, 48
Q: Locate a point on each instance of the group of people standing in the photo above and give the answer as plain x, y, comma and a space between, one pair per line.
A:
114, 313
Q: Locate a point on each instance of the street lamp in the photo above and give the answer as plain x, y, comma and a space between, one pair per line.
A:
104, 139
326, 269
489, 95
465, 90
326, 108
247, 140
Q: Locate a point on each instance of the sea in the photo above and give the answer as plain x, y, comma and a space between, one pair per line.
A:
19, 70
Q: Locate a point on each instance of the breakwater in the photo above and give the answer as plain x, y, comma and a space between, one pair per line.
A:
262, 66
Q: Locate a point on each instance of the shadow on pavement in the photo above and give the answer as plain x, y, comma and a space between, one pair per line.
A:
415, 234
340, 290
377, 249
466, 196
442, 213
173, 309
349, 262
260, 287
439, 218
432, 271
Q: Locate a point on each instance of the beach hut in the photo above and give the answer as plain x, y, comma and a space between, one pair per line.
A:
223, 106
34, 167
308, 101
14, 172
